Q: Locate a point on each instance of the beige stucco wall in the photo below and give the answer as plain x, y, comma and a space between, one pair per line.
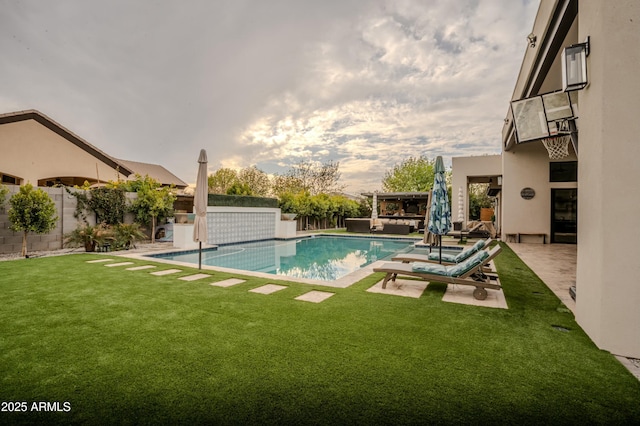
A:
527, 166
465, 167
31, 152
608, 299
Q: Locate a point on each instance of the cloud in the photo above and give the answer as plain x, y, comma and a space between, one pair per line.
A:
270, 83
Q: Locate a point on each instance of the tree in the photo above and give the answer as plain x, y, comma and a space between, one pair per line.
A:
239, 189
256, 180
414, 174
222, 180
109, 204
3, 194
315, 177
284, 184
153, 201
31, 211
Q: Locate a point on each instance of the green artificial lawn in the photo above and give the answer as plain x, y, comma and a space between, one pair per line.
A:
127, 347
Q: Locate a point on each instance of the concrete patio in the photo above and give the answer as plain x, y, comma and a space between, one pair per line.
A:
555, 264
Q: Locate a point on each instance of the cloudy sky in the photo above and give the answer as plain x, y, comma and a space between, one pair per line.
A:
367, 83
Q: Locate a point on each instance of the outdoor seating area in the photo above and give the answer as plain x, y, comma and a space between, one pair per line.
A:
469, 272
381, 226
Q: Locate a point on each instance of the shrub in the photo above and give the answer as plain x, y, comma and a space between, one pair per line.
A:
89, 236
125, 236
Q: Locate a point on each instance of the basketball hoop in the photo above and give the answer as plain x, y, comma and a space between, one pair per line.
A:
558, 146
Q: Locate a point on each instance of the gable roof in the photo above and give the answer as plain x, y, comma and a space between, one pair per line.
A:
159, 173
125, 167
32, 114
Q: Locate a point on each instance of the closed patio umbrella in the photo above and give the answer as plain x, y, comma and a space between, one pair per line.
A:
460, 205
440, 215
374, 206
200, 205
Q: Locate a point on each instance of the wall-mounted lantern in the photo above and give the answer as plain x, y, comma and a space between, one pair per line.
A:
574, 66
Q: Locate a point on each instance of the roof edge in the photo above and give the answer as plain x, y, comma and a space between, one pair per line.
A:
32, 114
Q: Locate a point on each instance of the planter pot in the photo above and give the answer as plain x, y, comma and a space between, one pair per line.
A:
486, 214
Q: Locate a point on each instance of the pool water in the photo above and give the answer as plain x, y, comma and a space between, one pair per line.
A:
325, 258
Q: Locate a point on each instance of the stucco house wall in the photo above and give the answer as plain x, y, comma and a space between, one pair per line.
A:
608, 299
527, 166
31, 152
462, 169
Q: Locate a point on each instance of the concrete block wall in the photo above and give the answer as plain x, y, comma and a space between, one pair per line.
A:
11, 242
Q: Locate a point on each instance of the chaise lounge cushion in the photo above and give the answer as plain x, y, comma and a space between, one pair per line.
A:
451, 271
459, 257
465, 266
429, 268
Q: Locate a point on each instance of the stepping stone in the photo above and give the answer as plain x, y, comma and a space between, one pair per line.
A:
119, 264
464, 294
315, 296
268, 289
166, 272
139, 268
99, 260
406, 288
227, 283
194, 277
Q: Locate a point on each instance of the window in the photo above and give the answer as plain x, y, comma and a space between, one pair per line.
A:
9, 179
563, 171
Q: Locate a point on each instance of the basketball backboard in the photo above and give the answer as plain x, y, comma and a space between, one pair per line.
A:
542, 116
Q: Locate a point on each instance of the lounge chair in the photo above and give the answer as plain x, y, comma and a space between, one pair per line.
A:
447, 258
468, 272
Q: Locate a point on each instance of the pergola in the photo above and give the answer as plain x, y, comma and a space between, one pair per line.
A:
407, 204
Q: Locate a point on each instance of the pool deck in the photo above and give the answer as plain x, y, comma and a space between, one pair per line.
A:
555, 264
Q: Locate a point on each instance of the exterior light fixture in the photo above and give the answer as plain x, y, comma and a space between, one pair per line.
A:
531, 38
574, 66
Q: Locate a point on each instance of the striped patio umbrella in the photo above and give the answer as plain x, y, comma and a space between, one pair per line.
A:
440, 215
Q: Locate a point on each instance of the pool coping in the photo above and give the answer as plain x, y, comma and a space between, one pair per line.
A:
342, 282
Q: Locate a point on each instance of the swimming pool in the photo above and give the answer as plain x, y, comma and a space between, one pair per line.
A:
324, 258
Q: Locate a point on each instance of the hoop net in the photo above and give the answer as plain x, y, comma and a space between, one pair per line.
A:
558, 146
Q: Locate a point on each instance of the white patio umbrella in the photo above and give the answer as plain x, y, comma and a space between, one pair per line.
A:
374, 206
460, 205
440, 215
200, 205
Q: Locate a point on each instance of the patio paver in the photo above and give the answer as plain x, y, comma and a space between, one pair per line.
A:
268, 289
166, 272
315, 296
401, 287
227, 283
555, 264
194, 277
464, 294
139, 268
119, 264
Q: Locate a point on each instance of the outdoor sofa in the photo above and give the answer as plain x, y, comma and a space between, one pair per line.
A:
382, 226
358, 225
